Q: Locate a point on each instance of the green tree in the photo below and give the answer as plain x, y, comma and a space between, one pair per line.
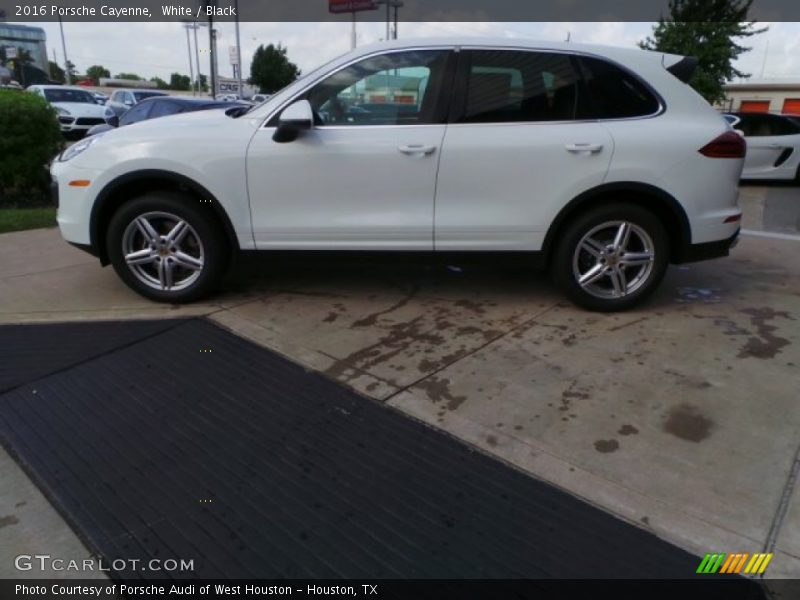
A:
95, 72
180, 82
203, 83
131, 76
56, 72
271, 70
73, 72
160, 83
31, 138
709, 30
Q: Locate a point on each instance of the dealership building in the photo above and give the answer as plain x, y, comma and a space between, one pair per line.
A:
28, 38
763, 95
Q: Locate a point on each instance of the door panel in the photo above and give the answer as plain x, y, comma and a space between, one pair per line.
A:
516, 154
348, 188
500, 186
762, 152
364, 177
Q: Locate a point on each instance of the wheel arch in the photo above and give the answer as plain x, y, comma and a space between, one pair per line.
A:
133, 184
662, 204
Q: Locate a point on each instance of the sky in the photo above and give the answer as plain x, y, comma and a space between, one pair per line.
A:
159, 48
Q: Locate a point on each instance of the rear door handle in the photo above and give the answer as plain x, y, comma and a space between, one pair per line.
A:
413, 149
584, 148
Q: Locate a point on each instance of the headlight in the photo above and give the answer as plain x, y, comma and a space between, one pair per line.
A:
61, 111
76, 149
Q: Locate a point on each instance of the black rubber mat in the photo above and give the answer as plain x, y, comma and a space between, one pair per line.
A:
195, 444
28, 352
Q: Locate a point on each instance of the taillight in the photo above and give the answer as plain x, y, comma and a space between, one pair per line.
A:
729, 145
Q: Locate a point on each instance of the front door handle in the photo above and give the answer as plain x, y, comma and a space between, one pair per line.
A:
584, 148
414, 149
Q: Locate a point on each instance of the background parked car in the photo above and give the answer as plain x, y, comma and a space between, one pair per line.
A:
100, 97
122, 100
773, 145
163, 106
259, 98
77, 109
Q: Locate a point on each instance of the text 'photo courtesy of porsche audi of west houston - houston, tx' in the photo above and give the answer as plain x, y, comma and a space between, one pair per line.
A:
601, 163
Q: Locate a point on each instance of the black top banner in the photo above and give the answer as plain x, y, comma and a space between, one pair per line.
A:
364, 10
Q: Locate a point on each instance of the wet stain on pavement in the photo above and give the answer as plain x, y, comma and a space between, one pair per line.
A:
399, 337
688, 295
470, 305
688, 423
606, 446
438, 390
491, 440
767, 344
332, 316
372, 319
628, 430
8, 520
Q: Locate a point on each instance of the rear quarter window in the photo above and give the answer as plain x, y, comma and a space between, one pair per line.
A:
613, 93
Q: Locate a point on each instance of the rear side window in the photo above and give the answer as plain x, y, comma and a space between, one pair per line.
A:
764, 125
614, 93
517, 86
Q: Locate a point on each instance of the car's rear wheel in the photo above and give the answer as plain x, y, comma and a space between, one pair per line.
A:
611, 257
165, 248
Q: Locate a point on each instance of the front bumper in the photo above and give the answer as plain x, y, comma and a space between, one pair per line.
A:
74, 203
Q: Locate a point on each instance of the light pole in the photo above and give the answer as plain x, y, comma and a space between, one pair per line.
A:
197, 52
391, 4
187, 26
238, 53
64, 48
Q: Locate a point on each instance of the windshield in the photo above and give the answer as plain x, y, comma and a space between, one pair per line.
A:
142, 95
55, 95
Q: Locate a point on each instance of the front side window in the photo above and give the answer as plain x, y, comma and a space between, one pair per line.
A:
517, 86
391, 89
756, 125
614, 93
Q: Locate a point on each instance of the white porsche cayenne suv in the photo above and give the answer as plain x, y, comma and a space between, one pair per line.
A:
598, 162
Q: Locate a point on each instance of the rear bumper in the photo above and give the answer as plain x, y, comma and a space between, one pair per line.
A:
708, 250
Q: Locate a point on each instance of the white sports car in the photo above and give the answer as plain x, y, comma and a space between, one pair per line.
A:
77, 108
773, 145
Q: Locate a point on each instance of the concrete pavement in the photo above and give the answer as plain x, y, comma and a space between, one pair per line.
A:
681, 416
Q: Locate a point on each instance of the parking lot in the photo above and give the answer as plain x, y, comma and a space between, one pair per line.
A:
679, 416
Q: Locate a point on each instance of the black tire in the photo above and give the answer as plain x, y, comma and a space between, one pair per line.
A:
647, 237
204, 243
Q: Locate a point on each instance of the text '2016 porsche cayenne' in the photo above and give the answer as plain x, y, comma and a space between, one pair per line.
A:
600, 161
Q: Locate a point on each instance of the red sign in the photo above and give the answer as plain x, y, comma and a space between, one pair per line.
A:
345, 6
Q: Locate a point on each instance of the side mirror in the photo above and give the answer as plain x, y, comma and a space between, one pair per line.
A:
295, 118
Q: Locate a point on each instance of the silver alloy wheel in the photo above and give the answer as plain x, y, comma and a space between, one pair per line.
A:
613, 260
163, 251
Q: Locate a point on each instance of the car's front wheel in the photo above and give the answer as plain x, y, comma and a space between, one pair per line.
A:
611, 257
165, 248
